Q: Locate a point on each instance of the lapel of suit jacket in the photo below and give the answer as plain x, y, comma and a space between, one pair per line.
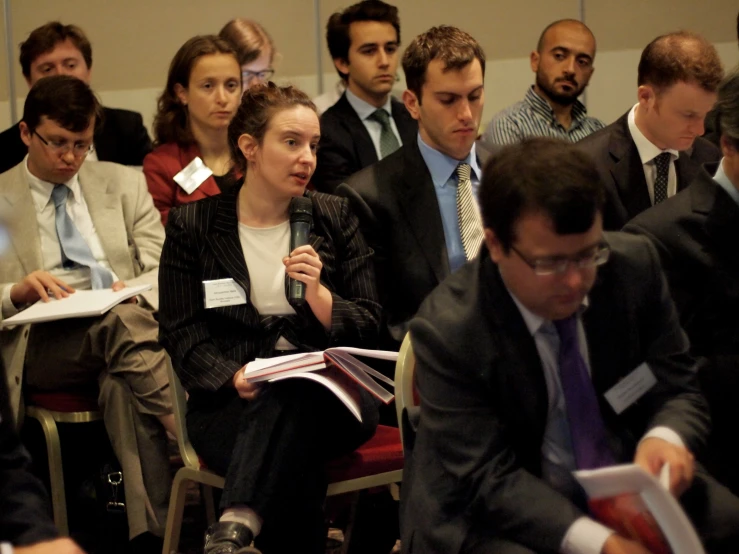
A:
418, 201
685, 169
20, 213
224, 240
628, 171
104, 207
519, 362
363, 144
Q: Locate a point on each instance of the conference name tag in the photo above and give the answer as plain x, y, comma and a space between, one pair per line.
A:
631, 388
193, 175
223, 292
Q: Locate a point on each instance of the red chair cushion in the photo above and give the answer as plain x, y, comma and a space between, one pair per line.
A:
83, 400
383, 452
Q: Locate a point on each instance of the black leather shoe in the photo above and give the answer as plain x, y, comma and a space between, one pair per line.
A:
229, 537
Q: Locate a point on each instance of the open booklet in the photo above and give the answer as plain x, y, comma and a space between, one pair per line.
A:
640, 506
336, 368
81, 303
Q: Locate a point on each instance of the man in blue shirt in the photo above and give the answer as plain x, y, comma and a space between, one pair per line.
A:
695, 233
418, 207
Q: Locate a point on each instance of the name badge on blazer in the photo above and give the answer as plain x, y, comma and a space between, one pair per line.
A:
631, 388
223, 292
193, 175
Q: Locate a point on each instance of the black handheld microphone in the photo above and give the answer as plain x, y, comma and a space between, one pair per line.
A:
301, 220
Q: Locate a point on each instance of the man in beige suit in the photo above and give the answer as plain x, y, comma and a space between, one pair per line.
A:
86, 226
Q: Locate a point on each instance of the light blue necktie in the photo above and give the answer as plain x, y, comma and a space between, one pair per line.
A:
75, 250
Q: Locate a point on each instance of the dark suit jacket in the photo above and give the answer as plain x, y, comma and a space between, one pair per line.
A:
122, 138
476, 463
622, 172
207, 347
400, 218
346, 145
25, 516
695, 233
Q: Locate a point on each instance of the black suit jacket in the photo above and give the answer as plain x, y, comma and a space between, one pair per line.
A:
400, 218
476, 463
121, 138
695, 233
25, 516
622, 172
346, 145
207, 347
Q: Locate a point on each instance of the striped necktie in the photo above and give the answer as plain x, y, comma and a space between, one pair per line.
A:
388, 141
470, 224
75, 251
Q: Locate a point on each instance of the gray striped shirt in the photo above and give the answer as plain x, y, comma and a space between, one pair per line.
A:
533, 117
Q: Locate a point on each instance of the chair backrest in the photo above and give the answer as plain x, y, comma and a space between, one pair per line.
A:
405, 394
179, 407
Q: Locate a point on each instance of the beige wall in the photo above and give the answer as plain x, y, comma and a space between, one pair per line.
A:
134, 41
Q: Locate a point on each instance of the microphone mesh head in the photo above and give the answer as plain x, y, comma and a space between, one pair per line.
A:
302, 208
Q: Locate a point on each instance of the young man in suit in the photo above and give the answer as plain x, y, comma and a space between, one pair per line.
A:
91, 225
56, 49
367, 123
655, 149
417, 207
563, 64
514, 354
694, 233
25, 523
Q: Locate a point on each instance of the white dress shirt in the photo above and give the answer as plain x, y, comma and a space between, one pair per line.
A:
374, 128
647, 153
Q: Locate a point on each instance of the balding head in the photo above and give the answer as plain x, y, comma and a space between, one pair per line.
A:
680, 57
569, 25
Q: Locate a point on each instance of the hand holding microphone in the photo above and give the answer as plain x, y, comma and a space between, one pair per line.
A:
303, 266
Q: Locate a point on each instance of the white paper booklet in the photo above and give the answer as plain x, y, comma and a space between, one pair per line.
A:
81, 303
336, 368
639, 505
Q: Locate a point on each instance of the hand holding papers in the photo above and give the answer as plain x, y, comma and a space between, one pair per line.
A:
639, 506
336, 368
83, 303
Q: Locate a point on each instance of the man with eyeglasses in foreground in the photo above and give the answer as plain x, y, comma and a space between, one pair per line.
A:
76, 226
514, 353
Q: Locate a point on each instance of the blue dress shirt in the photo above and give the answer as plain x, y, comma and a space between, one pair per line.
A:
443, 174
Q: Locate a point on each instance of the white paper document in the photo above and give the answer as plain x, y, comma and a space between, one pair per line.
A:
81, 303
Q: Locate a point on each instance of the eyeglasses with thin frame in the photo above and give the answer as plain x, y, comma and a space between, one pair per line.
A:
261, 76
557, 266
80, 149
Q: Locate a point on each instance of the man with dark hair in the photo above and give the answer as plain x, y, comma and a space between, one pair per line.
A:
563, 64
514, 354
91, 225
367, 123
656, 149
56, 49
417, 207
694, 233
